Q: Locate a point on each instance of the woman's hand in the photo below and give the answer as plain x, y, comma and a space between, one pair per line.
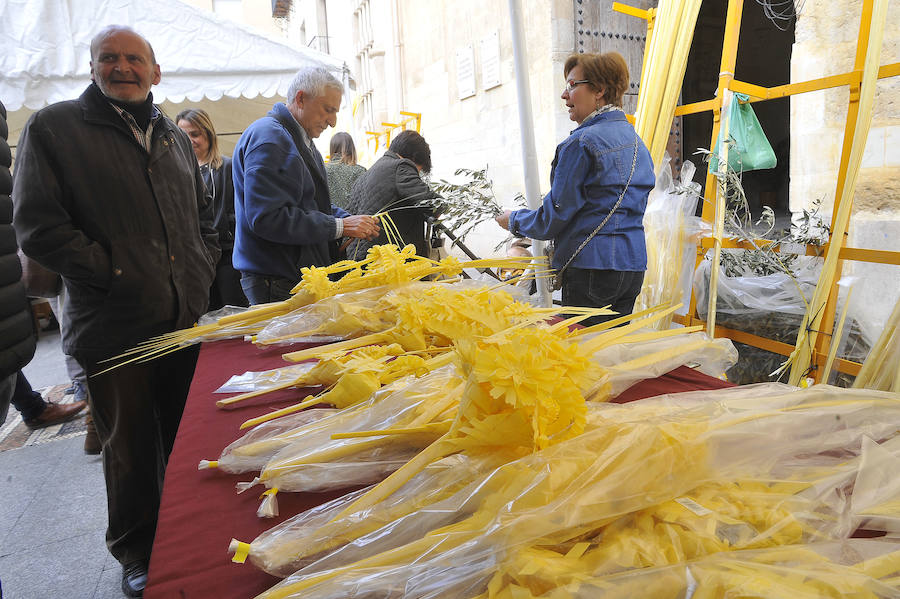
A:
503, 219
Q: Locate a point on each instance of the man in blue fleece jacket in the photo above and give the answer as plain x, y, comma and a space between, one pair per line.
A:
284, 219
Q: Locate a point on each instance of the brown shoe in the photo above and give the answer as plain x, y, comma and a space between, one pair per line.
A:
92, 444
56, 413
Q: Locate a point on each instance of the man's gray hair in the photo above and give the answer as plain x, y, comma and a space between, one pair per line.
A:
313, 81
110, 30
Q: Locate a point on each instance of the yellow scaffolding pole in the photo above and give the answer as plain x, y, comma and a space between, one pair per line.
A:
821, 314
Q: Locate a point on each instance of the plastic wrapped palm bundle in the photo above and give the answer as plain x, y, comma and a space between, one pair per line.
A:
672, 232
437, 491
807, 502
355, 446
286, 547
384, 266
846, 569
419, 318
253, 450
875, 504
639, 456
567, 369
506, 401
353, 377
417, 315
313, 460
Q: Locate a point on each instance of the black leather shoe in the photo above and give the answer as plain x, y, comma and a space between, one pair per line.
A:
134, 579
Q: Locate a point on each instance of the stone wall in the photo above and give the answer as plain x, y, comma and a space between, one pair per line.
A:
483, 129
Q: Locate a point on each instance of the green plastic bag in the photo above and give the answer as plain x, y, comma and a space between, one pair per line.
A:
751, 150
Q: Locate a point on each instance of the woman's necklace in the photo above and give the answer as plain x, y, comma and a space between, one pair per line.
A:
602, 109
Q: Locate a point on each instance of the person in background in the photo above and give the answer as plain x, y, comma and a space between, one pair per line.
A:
600, 179
216, 170
35, 411
108, 193
284, 218
394, 185
341, 168
17, 334
78, 388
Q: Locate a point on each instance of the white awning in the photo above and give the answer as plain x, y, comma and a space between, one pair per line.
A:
45, 51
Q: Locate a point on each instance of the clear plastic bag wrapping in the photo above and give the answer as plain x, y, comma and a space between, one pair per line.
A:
253, 450
755, 294
296, 448
633, 460
713, 359
672, 232
305, 463
850, 568
875, 503
350, 314
356, 313
436, 500
264, 379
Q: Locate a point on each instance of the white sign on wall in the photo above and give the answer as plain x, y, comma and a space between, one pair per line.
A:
465, 72
490, 61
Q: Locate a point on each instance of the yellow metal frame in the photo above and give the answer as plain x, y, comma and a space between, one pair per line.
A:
760, 94
388, 128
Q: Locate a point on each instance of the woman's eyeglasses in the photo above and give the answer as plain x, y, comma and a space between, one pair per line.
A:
571, 85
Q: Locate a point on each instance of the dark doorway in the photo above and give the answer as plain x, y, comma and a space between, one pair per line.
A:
763, 58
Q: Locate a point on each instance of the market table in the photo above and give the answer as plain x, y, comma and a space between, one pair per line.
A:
201, 512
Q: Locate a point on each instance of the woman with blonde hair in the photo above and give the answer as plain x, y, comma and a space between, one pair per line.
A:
216, 170
600, 179
341, 168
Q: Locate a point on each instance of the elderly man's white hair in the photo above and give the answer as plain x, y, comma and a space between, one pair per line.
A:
112, 29
313, 81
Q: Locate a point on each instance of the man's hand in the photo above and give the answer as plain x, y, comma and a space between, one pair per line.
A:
361, 227
503, 219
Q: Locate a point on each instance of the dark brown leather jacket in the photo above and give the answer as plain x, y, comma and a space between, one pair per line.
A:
120, 225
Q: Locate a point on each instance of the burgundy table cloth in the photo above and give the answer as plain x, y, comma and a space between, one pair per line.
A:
201, 511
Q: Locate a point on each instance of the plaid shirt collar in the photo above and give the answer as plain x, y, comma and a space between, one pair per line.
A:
142, 137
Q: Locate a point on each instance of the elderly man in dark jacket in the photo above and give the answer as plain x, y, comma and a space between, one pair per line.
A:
393, 185
107, 193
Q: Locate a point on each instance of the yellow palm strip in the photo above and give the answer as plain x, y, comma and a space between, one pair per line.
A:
609, 324
610, 337
654, 335
390, 229
349, 389
464, 426
315, 352
432, 409
296, 383
435, 427
354, 386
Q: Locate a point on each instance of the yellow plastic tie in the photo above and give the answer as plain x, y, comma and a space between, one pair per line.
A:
240, 549
271, 491
206, 464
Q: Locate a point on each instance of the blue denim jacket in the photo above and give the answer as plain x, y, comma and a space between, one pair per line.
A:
589, 171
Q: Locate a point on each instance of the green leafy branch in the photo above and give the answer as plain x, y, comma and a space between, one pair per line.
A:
466, 204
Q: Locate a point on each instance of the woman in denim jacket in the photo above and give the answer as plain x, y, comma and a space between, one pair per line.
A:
601, 174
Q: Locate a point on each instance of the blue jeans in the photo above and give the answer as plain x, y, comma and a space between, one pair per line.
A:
27, 401
261, 289
598, 288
